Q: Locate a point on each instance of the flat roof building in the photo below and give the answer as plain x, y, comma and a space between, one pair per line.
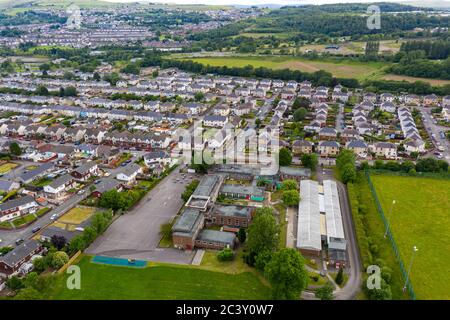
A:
308, 224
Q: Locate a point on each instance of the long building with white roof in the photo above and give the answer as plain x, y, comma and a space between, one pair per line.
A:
308, 223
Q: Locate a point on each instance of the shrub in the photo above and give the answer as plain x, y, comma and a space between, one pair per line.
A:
226, 254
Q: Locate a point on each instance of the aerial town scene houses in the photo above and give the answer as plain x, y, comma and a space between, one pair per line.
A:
99, 162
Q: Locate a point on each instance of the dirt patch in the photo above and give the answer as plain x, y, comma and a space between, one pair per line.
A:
298, 65
433, 82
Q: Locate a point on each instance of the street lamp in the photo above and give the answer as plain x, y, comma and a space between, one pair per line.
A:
410, 266
387, 218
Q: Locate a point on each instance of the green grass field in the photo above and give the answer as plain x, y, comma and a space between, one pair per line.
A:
341, 69
160, 281
420, 218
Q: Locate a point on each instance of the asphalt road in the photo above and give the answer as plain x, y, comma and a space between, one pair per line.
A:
354, 267
136, 233
436, 129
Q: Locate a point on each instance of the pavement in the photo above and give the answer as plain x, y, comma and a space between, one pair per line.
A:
135, 234
354, 266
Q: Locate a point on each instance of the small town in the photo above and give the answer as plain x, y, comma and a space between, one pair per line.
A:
132, 163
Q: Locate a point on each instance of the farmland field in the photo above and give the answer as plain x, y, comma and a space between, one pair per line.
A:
420, 218
160, 281
340, 69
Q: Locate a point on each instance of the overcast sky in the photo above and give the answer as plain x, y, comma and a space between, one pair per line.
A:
253, 2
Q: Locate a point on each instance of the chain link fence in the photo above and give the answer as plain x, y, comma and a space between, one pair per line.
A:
390, 236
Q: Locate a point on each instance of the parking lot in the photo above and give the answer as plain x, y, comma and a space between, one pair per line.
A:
136, 233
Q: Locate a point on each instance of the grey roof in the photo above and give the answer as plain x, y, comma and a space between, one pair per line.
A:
337, 243
240, 189
16, 203
20, 252
130, 169
106, 184
333, 214
30, 175
302, 143
214, 118
85, 167
357, 144
5, 184
156, 155
329, 144
206, 185
62, 180
233, 211
308, 223
226, 238
328, 130
298, 172
51, 231
188, 221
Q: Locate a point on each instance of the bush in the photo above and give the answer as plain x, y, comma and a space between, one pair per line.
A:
60, 258
339, 277
226, 254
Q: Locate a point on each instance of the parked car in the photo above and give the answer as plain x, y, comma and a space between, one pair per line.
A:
54, 216
19, 241
81, 191
36, 229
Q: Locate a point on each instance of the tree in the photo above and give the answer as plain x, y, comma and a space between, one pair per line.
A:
384, 293
262, 234
325, 292
15, 149
348, 173
290, 197
258, 122
39, 264
339, 277
14, 283
58, 241
300, 114
310, 160
199, 96
242, 235
287, 274
60, 258
42, 91
285, 157
289, 184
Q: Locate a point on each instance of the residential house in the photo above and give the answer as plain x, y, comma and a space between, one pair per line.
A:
129, 173
329, 148
214, 121
17, 207
385, 150
86, 171
11, 262
301, 147
58, 188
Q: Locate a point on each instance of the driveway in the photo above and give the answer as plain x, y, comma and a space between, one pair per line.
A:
136, 233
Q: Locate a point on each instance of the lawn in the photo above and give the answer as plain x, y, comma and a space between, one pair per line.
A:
159, 281
341, 69
420, 218
6, 167
77, 215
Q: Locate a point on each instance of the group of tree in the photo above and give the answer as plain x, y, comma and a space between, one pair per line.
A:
433, 49
285, 157
115, 200
100, 221
283, 268
346, 166
310, 160
422, 165
290, 194
189, 190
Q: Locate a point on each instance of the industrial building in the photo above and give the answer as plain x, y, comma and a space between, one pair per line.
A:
319, 224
